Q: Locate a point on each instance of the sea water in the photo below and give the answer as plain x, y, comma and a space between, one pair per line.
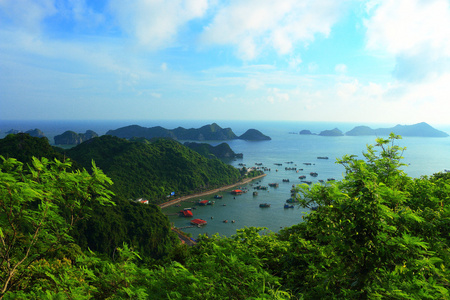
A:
423, 156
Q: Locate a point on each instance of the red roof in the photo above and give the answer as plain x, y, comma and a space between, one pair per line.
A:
236, 192
187, 213
204, 201
198, 222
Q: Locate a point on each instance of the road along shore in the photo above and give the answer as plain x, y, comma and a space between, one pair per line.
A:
206, 193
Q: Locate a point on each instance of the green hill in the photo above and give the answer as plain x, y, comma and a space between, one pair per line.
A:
207, 132
332, 132
153, 170
23, 146
142, 226
222, 150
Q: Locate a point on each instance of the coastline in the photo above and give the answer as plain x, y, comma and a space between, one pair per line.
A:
206, 193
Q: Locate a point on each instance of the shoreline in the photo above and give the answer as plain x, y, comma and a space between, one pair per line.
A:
206, 193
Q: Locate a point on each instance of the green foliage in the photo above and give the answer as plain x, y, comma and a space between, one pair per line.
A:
375, 234
24, 147
144, 227
153, 170
39, 205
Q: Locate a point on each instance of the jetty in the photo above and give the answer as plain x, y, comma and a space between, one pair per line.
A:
206, 193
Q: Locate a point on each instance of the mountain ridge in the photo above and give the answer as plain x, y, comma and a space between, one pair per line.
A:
421, 129
209, 132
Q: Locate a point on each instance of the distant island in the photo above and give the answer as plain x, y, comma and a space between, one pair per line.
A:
416, 130
212, 132
32, 132
72, 138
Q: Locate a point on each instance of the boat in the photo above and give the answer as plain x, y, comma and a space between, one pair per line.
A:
322, 157
288, 206
203, 202
313, 174
273, 184
264, 205
255, 193
307, 181
198, 222
302, 177
260, 187
237, 192
285, 180
187, 213
218, 196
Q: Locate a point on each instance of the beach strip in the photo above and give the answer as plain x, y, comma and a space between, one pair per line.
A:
206, 193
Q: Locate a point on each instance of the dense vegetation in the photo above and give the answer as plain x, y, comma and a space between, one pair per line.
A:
142, 226
23, 147
377, 234
222, 150
152, 170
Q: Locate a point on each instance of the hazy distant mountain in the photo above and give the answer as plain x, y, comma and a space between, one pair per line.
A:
361, 130
73, 138
205, 133
32, 132
333, 132
35, 133
306, 132
254, 135
418, 130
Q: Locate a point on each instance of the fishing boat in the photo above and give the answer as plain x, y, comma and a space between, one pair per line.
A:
218, 196
198, 222
187, 213
237, 192
203, 202
288, 206
273, 184
264, 205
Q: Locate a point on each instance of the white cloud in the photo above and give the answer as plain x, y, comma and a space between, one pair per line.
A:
277, 96
163, 67
294, 62
255, 25
27, 14
155, 23
341, 68
253, 85
415, 32
313, 67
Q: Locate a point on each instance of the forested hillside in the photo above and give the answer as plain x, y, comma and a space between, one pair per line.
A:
377, 234
142, 226
23, 147
152, 170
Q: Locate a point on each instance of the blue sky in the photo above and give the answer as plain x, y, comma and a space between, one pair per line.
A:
382, 61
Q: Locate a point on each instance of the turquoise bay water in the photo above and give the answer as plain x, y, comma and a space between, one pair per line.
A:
424, 156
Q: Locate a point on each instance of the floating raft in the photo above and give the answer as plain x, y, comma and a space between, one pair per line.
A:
198, 222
